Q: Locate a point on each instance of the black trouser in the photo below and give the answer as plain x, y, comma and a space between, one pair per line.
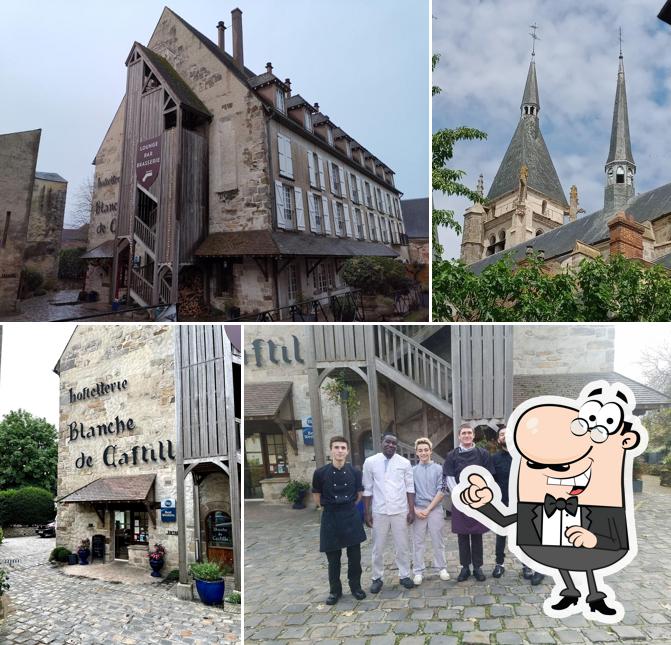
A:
500, 546
470, 549
353, 569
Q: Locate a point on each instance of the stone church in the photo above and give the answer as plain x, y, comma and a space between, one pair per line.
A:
526, 209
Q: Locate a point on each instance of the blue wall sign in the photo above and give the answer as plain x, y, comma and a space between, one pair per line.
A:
308, 435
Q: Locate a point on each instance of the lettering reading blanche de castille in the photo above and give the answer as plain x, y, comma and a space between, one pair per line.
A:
118, 426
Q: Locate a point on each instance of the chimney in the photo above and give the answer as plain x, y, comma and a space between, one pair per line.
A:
573, 205
236, 18
317, 107
287, 82
221, 29
626, 236
269, 68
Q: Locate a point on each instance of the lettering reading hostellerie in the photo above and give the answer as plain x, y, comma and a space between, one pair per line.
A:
98, 390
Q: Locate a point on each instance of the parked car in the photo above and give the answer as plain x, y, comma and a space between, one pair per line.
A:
46, 530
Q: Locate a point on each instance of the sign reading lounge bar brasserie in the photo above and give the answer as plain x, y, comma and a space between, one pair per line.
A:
112, 456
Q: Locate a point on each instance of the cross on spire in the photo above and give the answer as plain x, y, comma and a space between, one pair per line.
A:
620, 30
534, 38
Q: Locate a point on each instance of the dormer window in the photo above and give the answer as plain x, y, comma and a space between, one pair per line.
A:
307, 120
329, 135
348, 148
279, 100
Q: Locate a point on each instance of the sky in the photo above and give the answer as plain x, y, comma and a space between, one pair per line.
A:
485, 50
30, 352
365, 63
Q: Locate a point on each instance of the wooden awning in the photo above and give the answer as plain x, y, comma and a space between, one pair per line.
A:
101, 252
133, 488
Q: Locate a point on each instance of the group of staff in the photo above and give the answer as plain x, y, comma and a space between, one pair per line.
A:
396, 496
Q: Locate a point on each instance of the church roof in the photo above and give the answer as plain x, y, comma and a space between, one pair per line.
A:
620, 142
591, 229
527, 148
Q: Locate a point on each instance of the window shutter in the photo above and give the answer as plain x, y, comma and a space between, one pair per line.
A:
351, 189
311, 169
343, 182
348, 224
320, 164
279, 202
364, 226
333, 190
359, 188
327, 218
313, 215
300, 218
336, 224
394, 232
378, 224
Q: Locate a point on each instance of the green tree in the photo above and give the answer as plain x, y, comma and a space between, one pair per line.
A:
448, 180
29, 451
612, 290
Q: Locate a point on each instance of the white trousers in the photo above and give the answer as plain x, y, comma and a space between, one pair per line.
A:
382, 524
433, 525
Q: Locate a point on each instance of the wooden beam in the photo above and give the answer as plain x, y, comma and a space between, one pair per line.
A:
263, 268
315, 399
179, 447
456, 382
373, 399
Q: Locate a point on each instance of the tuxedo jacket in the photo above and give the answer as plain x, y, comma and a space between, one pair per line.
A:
608, 523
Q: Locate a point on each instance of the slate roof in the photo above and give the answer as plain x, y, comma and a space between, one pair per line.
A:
264, 79
297, 100
100, 252
570, 385
416, 217
620, 141
75, 234
275, 243
263, 400
591, 229
50, 176
130, 488
530, 96
175, 82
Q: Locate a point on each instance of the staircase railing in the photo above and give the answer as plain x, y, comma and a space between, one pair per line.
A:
414, 361
165, 289
141, 286
145, 234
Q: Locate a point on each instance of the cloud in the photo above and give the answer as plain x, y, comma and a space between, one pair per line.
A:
485, 52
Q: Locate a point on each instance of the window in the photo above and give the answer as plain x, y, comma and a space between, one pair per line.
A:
340, 219
329, 135
286, 205
385, 236
378, 200
369, 197
358, 222
292, 282
371, 226
316, 209
396, 209
348, 148
219, 529
619, 175
279, 100
316, 170
354, 188
539, 232
544, 207
284, 151
307, 119
336, 186
324, 277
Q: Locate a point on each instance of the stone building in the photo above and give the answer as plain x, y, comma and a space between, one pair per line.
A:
413, 380
223, 184
32, 206
416, 216
526, 209
148, 444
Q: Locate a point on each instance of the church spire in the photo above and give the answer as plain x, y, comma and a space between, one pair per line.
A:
530, 101
620, 167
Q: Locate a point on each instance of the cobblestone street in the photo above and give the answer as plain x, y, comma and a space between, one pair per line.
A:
47, 606
286, 585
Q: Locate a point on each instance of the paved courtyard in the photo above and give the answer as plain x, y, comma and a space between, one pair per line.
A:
47, 606
286, 585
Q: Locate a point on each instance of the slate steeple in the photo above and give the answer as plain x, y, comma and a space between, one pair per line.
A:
527, 148
620, 167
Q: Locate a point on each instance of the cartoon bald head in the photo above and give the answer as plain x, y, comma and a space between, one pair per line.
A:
577, 449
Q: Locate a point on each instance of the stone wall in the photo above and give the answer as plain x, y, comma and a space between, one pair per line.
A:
559, 349
45, 227
142, 356
18, 157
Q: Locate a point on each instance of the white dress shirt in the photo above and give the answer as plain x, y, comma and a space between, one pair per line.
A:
554, 528
388, 481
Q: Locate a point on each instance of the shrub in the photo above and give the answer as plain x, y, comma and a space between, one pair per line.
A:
234, 598
375, 276
173, 576
4, 585
30, 281
292, 490
207, 571
26, 506
60, 554
70, 264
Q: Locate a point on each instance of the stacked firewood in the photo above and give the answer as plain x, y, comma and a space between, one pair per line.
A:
191, 295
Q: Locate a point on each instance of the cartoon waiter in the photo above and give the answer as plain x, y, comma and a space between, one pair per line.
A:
571, 503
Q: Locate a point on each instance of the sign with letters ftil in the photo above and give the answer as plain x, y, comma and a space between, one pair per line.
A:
308, 434
148, 161
168, 510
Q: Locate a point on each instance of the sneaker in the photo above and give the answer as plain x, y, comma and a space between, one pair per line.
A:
407, 583
418, 579
498, 571
526, 572
464, 574
376, 585
479, 576
444, 575
536, 578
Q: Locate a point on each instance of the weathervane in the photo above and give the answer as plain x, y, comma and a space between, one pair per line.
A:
534, 37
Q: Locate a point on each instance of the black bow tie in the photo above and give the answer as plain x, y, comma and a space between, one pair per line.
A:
551, 504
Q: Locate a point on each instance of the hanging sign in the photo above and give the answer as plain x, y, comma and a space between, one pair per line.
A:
168, 510
308, 434
148, 161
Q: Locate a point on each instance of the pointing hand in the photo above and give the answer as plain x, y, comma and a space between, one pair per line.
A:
478, 493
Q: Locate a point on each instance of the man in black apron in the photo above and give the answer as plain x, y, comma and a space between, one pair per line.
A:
337, 488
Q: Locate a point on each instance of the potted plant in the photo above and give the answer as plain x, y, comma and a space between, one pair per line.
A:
637, 483
157, 560
295, 492
340, 392
84, 551
210, 585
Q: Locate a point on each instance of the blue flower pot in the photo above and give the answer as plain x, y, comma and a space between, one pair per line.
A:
211, 592
156, 566
84, 556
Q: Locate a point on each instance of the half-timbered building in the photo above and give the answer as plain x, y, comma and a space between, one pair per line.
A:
220, 187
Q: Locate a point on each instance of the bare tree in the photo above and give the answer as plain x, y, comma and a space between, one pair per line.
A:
83, 204
656, 365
